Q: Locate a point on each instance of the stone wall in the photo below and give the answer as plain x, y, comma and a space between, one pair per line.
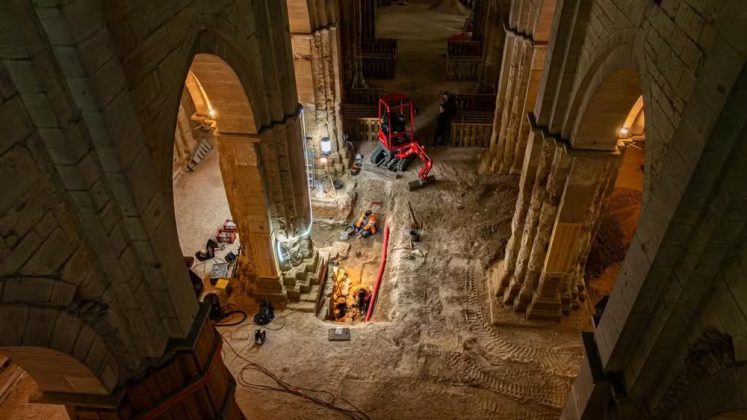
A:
92, 93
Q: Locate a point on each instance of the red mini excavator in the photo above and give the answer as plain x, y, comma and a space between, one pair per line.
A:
397, 145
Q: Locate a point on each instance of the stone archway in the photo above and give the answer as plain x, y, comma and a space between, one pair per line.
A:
262, 170
61, 352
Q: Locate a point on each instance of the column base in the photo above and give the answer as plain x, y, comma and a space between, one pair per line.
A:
189, 380
544, 308
512, 291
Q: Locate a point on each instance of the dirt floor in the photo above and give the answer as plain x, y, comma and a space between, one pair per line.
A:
430, 352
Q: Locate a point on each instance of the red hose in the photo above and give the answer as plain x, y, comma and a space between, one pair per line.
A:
384, 250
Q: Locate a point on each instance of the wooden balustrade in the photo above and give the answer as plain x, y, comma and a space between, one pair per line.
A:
463, 60
462, 69
379, 58
386, 46
462, 47
360, 121
472, 129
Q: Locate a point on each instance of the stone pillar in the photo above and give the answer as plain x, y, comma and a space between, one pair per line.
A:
319, 84
567, 234
542, 218
481, 18
520, 80
189, 381
494, 41
368, 19
249, 202
530, 172
352, 62
534, 77
514, 113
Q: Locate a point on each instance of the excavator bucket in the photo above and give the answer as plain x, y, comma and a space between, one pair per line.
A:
419, 183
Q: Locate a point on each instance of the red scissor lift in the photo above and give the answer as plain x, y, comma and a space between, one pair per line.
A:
397, 143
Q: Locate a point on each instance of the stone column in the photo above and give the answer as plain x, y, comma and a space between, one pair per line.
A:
494, 41
319, 84
189, 381
510, 137
543, 219
368, 19
587, 187
534, 77
530, 172
249, 202
352, 62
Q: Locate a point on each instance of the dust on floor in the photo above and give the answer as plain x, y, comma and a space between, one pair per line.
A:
431, 352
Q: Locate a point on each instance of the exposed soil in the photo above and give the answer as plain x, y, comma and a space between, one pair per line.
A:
618, 222
430, 352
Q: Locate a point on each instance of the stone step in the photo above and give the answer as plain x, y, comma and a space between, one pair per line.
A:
309, 307
312, 295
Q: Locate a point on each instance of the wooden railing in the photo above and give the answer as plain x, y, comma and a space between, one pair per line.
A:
386, 46
472, 129
462, 69
463, 60
360, 121
379, 58
460, 47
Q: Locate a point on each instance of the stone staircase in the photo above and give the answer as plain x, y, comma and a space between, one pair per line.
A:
302, 283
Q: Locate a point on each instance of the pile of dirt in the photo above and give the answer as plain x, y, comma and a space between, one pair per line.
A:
618, 221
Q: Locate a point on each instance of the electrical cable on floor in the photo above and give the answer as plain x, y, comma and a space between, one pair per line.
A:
304, 393
232, 324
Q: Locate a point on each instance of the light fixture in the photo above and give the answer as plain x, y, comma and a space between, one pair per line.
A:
326, 146
323, 160
624, 132
211, 113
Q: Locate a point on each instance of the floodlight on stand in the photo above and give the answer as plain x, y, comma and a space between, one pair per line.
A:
326, 146
624, 132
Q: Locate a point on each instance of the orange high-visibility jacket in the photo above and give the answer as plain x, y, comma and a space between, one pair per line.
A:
361, 221
371, 224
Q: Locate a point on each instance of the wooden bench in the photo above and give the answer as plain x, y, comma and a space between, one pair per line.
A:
463, 59
360, 121
472, 129
379, 58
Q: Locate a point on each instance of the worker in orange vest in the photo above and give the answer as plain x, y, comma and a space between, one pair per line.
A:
361, 222
370, 227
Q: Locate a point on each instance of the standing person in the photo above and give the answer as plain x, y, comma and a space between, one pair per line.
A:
448, 101
442, 127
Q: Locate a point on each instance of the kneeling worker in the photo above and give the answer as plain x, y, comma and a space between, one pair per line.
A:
360, 223
370, 227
